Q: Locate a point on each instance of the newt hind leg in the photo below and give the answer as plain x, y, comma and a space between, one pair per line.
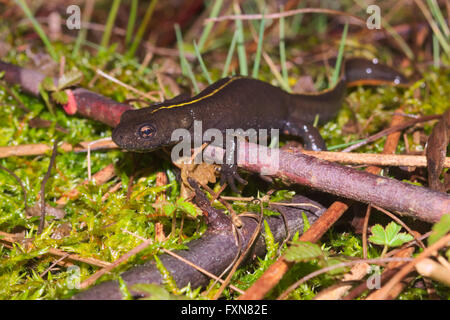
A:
312, 139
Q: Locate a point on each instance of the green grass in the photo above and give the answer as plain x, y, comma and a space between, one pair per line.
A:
340, 57
217, 5
110, 23
143, 26
229, 55
202, 63
257, 62
185, 66
242, 55
37, 27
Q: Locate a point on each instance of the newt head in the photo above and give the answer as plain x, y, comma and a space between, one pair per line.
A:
145, 130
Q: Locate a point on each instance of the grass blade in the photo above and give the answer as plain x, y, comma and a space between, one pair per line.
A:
89, 8
202, 63
259, 48
37, 27
434, 26
283, 54
183, 61
240, 44
436, 53
337, 69
131, 21
439, 17
229, 55
214, 13
140, 33
296, 22
110, 23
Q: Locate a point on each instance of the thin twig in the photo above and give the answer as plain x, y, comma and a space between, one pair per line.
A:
128, 87
54, 264
11, 238
373, 159
20, 183
337, 266
400, 222
173, 254
289, 13
364, 234
390, 130
382, 293
41, 148
44, 182
243, 254
86, 283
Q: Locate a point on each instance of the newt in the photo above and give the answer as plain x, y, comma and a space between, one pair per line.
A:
245, 103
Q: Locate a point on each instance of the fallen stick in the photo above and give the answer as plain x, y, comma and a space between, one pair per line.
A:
214, 251
373, 159
384, 160
36, 149
10, 238
404, 198
81, 101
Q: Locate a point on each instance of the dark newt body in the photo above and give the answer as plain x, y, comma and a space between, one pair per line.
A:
245, 103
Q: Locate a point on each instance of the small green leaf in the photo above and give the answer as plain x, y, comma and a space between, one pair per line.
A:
188, 207
440, 229
60, 97
46, 98
168, 280
154, 292
306, 224
378, 235
126, 295
334, 261
390, 237
302, 251
69, 79
392, 229
271, 245
48, 84
169, 209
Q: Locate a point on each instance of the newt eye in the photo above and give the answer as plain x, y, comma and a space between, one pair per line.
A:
146, 131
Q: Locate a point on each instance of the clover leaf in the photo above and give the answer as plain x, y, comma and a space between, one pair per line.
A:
389, 237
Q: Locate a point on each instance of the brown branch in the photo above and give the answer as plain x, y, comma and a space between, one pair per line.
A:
273, 275
44, 182
213, 252
89, 281
414, 201
42, 148
81, 101
11, 238
337, 266
382, 293
353, 19
373, 159
390, 130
